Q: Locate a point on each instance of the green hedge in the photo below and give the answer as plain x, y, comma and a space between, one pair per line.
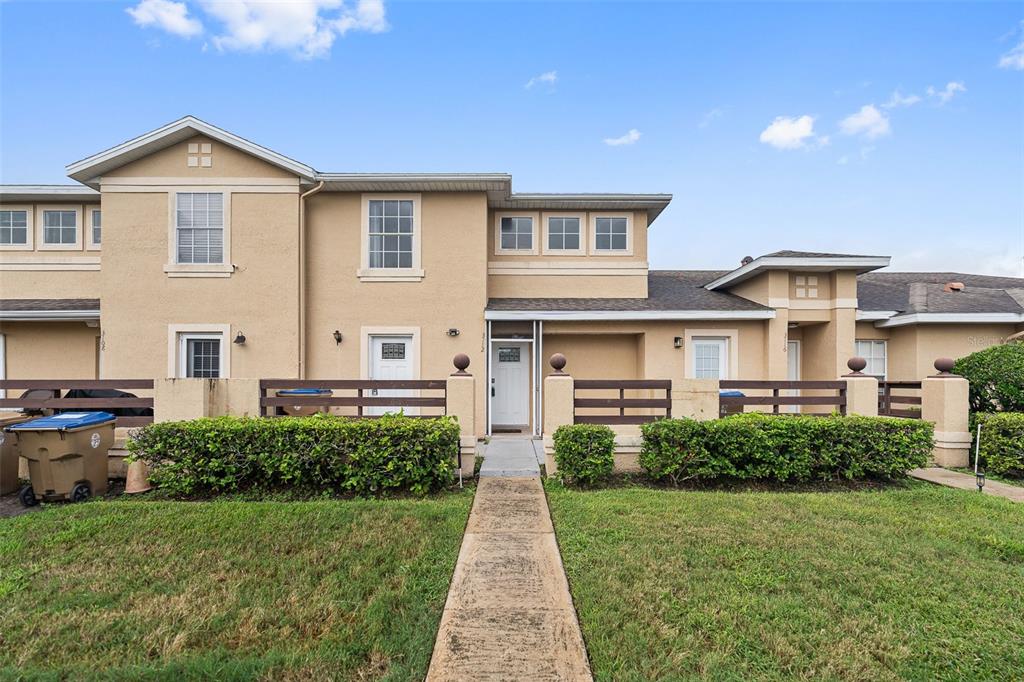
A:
996, 376
1002, 443
784, 448
584, 453
361, 456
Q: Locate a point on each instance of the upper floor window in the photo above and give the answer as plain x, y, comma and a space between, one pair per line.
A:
60, 227
199, 227
516, 233
96, 227
611, 234
13, 228
563, 234
391, 232
874, 351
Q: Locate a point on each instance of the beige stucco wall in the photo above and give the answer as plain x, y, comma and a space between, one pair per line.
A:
452, 293
562, 286
50, 350
172, 162
260, 299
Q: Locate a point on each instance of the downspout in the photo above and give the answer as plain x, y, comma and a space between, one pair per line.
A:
302, 277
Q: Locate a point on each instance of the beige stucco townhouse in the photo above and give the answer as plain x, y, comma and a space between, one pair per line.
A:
174, 245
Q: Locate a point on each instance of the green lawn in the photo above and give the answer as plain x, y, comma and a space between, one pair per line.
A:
918, 583
141, 590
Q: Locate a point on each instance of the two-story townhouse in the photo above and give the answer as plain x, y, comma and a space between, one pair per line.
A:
192, 252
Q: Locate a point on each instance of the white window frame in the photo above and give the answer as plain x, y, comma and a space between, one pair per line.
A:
534, 222
177, 343
732, 349
413, 274
29, 244
594, 251
870, 357
545, 247
41, 227
723, 355
94, 245
175, 269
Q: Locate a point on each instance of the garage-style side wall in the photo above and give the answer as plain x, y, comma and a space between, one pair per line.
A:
451, 295
50, 350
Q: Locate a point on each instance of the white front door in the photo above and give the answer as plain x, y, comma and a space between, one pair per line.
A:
710, 358
510, 384
792, 372
390, 360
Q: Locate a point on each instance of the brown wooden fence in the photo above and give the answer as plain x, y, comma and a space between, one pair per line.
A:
886, 399
661, 405
776, 399
46, 394
364, 393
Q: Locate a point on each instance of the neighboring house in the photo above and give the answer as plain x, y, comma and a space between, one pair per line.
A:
177, 243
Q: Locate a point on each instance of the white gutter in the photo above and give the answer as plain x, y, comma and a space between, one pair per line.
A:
860, 263
623, 315
952, 318
302, 276
42, 315
871, 315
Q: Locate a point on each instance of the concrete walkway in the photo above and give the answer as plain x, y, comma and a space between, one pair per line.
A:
510, 456
957, 479
509, 615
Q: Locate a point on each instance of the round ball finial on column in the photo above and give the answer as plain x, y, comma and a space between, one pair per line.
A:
945, 366
557, 363
856, 364
461, 362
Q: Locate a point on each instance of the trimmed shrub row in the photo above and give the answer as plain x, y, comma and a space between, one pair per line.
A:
784, 448
365, 457
1002, 443
584, 453
996, 376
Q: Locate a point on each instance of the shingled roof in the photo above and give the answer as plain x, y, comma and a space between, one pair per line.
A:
923, 292
49, 308
668, 290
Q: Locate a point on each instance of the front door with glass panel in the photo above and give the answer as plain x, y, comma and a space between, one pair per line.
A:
510, 384
792, 373
710, 358
390, 360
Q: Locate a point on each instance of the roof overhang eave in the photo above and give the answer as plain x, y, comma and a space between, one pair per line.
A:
764, 263
49, 315
626, 315
951, 318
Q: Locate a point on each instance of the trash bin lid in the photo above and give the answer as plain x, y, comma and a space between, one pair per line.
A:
64, 422
304, 391
731, 394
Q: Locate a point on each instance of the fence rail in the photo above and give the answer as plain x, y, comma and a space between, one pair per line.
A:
365, 395
886, 399
622, 403
55, 401
776, 399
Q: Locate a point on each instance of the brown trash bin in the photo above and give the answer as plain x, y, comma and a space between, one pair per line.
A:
67, 455
9, 452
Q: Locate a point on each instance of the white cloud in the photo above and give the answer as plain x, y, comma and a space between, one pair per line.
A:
710, 117
869, 122
898, 99
1014, 59
170, 16
791, 132
629, 138
549, 77
305, 28
947, 93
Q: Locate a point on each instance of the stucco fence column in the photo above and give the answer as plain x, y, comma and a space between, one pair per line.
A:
695, 399
559, 390
945, 403
861, 389
460, 394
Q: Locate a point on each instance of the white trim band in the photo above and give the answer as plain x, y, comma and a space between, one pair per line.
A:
604, 315
952, 318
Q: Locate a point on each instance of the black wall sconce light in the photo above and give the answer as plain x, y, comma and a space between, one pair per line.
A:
337, 337
240, 339
677, 342
453, 332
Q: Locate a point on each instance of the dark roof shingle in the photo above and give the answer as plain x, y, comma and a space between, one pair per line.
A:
922, 292
48, 304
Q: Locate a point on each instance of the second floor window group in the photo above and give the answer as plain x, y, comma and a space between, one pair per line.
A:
13, 227
199, 226
391, 232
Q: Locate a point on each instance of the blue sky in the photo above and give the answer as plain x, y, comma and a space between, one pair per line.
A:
774, 125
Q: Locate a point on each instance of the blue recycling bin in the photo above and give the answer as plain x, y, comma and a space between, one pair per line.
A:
726, 410
67, 455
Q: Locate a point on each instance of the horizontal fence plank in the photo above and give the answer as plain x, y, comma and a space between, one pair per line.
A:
902, 399
369, 416
75, 383
900, 384
67, 403
651, 384
663, 403
789, 385
615, 419
784, 400
906, 414
283, 384
381, 401
133, 421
